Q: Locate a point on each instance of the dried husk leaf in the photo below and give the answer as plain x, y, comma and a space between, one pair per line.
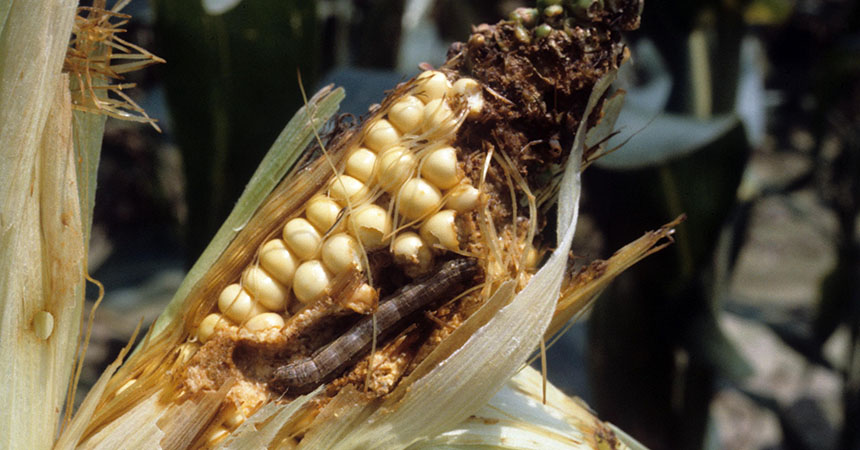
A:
517, 417
41, 242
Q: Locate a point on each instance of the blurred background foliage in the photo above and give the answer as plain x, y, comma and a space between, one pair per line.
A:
743, 114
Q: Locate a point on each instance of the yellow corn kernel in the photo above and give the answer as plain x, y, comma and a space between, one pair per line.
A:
441, 230
470, 90
235, 303
340, 253
431, 85
345, 188
412, 253
311, 280
396, 165
302, 238
360, 164
371, 226
463, 198
322, 212
208, 326
277, 259
418, 198
381, 135
440, 168
407, 114
265, 289
265, 321
438, 117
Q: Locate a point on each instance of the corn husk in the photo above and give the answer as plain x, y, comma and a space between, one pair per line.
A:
41, 236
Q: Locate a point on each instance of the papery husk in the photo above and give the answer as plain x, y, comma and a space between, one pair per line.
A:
519, 417
41, 238
102, 422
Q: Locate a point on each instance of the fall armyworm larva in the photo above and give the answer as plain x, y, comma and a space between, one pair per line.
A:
309, 372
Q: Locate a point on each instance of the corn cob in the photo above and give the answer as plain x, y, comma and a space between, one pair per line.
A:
443, 169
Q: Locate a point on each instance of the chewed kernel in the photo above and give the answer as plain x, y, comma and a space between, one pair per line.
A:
302, 238
438, 117
463, 198
407, 114
381, 135
412, 253
346, 189
311, 280
395, 167
322, 212
235, 303
418, 198
340, 253
208, 326
360, 164
362, 299
265, 321
371, 225
471, 92
441, 230
431, 85
265, 289
440, 167
278, 261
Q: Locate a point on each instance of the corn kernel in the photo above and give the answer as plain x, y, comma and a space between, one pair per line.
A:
438, 117
395, 166
381, 135
265, 321
278, 261
362, 300
418, 198
471, 92
411, 252
360, 164
345, 188
372, 226
208, 326
341, 253
440, 230
265, 289
440, 168
311, 280
407, 114
431, 85
302, 238
322, 212
235, 303
463, 198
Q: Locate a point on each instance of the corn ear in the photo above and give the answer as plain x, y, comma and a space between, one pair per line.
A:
41, 236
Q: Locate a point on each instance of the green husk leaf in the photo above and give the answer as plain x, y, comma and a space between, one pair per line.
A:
283, 154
